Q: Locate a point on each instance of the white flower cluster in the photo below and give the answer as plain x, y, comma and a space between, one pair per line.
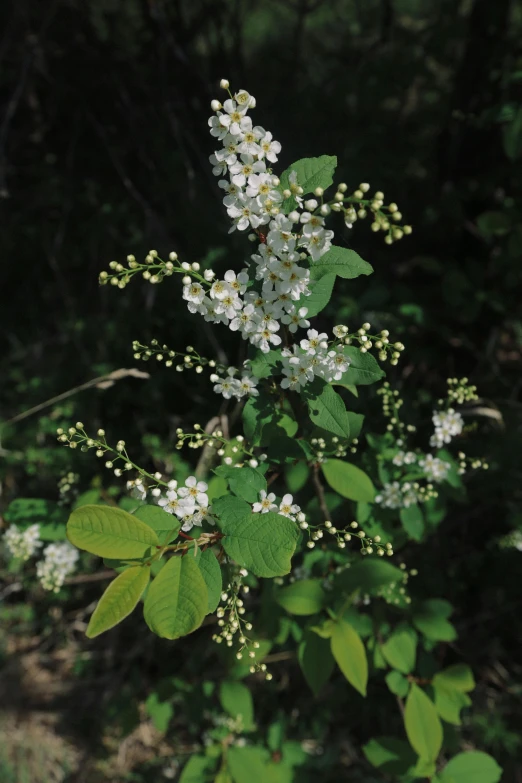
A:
245, 386
395, 495
312, 358
188, 503
253, 200
58, 563
434, 468
404, 458
23, 543
448, 424
287, 507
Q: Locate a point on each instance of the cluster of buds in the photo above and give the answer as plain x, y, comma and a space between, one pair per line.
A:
234, 627
369, 546
216, 440
153, 269
67, 487
473, 463
359, 205
119, 461
391, 404
381, 342
460, 391
334, 447
189, 359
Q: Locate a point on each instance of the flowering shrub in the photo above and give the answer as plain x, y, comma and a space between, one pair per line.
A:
276, 498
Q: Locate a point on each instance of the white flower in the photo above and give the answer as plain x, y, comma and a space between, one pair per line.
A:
196, 490
23, 543
316, 240
314, 342
237, 283
247, 386
448, 424
59, 561
288, 508
265, 336
226, 387
435, 469
404, 458
280, 236
268, 148
244, 169
265, 504
171, 503
194, 293
296, 319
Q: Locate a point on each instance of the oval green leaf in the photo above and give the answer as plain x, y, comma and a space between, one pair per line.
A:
342, 262
303, 597
177, 599
423, 726
316, 660
326, 408
236, 699
348, 480
262, 543
400, 649
348, 650
164, 524
211, 572
472, 767
110, 532
118, 600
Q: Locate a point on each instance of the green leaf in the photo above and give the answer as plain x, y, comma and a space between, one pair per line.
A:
296, 476
449, 702
494, 224
198, 769
350, 655
368, 575
248, 764
217, 487
211, 572
471, 767
119, 600
230, 509
342, 262
257, 412
458, 676
306, 596
160, 521
400, 649
326, 408
315, 659
159, 711
392, 756
423, 727
430, 619
363, 368
236, 699
177, 599
246, 482
348, 480
262, 543
321, 293
397, 683
413, 521
110, 532
262, 365
311, 173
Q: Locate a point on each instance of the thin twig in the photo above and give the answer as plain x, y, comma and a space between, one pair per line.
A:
320, 492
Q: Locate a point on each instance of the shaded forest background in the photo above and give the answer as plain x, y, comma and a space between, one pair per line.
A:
104, 151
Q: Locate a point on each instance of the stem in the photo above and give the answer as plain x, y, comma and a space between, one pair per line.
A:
319, 489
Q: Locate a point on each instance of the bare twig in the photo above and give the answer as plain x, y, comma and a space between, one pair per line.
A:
319, 489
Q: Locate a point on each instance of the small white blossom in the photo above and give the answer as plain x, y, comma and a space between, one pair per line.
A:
58, 563
265, 504
23, 543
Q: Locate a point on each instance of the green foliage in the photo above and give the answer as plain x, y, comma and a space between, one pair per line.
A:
472, 766
166, 525
262, 543
350, 655
422, 724
211, 572
110, 532
348, 480
341, 262
316, 660
303, 597
311, 173
245, 482
431, 620
400, 648
177, 600
119, 599
326, 408
236, 699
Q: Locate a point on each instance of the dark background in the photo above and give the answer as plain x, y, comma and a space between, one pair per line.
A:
104, 151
